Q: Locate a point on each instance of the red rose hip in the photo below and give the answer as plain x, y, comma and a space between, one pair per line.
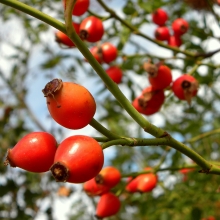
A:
108, 176
34, 152
160, 78
150, 101
159, 17
91, 29
180, 26
185, 87
78, 159
62, 38
70, 105
162, 33
108, 205
115, 74
80, 7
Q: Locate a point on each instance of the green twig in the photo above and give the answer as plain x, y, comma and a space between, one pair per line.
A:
139, 33
23, 103
195, 67
35, 13
95, 124
113, 88
204, 135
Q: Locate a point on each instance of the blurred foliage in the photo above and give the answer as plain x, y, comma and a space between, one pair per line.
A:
23, 195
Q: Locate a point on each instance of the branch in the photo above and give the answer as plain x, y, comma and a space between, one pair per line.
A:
204, 135
23, 103
95, 124
206, 55
35, 13
139, 33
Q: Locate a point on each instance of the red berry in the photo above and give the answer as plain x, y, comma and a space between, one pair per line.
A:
185, 87
109, 52
175, 41
147, 182
162, 78
211, 218
186, 170
162, 33
94, 189
91, 29
80, 7
104, 53
96, 51
180, 26
78, 159
62, 38
150, 101
34, 152
159, 17
115, 74
131, 187
108, 176
108, 205
70, 105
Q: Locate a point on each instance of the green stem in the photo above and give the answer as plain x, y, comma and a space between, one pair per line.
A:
195, 67
112, 87
132, 142
22, 102
96, 125
204, 135
35, 13
101, 139
137, 32
206, 166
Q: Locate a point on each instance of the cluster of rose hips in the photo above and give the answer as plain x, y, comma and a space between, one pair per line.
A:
78, 158
109, 204
160, 78
162, 32
91, 30
101, 185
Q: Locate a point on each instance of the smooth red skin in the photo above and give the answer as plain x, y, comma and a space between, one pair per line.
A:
186, 170
177, 88
162, 33
34, 152
94, 28
80, 7
115, 74
159, 17
131, 187
175, 41
163, 78
82, 156
108, 205
147, 182
77, 106
95, 53
109, 52
94, 189
64, 39
147, 111
153, 105
211, 218
180, 26
111, 176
